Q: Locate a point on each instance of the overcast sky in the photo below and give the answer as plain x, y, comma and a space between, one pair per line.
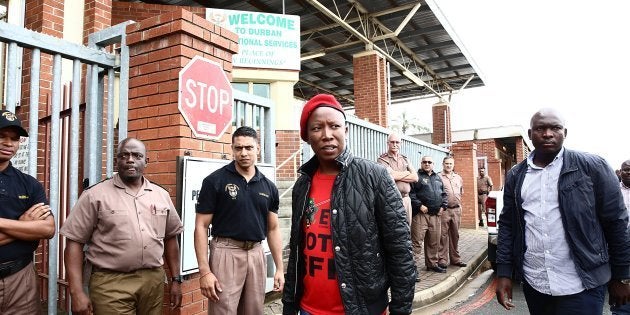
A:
570, 55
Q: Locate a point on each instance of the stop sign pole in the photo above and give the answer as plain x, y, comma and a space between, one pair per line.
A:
205, 98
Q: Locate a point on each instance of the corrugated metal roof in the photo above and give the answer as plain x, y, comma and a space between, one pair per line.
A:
423, 46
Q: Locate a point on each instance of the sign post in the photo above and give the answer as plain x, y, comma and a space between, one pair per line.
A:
205, 98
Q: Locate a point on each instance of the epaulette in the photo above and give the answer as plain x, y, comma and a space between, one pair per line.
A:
86, 182
156, 184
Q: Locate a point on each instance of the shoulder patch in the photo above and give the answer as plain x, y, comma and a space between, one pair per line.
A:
86, 182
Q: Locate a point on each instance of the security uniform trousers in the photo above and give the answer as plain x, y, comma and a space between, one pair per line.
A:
19, 294
449, 239
481, 200
242, 274
425, 228
137, 292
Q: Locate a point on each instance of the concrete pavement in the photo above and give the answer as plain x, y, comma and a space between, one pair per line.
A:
473, 246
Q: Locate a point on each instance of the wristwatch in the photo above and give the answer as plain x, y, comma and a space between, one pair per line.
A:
178, 278
625, 281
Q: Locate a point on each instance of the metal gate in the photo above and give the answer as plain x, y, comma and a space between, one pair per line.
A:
66, 123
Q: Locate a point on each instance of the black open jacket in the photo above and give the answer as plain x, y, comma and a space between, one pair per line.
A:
370, 230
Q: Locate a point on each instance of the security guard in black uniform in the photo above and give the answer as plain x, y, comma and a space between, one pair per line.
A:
25, 218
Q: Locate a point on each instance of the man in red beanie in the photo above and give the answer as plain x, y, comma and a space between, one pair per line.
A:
350, 239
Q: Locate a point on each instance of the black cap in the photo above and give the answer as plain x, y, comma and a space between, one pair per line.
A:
8, 119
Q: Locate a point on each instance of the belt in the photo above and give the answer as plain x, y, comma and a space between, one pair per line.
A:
11, 267
483, 193
455, 207
245, 245
404, 195
99, 269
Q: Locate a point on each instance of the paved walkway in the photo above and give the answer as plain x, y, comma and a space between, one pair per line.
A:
473, 245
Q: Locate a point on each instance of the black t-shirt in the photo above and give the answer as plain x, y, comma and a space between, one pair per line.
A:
239, 208
18, 192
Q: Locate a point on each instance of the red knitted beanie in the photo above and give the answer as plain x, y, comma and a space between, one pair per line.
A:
316, 101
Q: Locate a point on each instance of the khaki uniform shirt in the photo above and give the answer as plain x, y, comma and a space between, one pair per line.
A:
483, 184
124, 231
397, 164
454, 187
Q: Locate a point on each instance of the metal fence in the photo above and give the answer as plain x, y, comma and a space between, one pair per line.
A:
61, 123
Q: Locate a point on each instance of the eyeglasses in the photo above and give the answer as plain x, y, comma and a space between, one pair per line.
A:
394, 142
125, 155
427, 162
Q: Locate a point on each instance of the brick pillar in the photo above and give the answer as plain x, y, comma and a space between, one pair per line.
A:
98, 16
465, 155
160, 47
441, 123
370, 87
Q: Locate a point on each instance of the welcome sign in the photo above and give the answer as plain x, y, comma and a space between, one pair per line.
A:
266, 40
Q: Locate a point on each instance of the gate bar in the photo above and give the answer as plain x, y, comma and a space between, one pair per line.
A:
12, 77
110, 123
54, 183
33, 116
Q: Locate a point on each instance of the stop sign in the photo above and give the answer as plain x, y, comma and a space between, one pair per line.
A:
205, 98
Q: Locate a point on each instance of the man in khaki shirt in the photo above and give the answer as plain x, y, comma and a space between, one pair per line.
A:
128, 225
452, 215
400, 169
484, 186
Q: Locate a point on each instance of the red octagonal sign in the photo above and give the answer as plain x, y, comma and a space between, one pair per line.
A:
205, 98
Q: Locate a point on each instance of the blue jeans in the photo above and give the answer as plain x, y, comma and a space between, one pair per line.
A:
303, 312
587, 302
620, 310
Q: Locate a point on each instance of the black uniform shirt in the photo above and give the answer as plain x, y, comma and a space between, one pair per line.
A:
18, 192
239, 208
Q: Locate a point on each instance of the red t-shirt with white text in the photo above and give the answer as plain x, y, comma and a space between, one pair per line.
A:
321, 289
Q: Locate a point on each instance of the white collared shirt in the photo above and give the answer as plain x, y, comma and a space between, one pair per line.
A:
547, 264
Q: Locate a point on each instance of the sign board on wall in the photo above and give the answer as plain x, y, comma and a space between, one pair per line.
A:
191, 172
20, 159
265, 40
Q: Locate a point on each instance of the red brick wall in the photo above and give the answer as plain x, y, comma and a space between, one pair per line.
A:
441, 123
135, 11
288, 143
160, 47
370, 88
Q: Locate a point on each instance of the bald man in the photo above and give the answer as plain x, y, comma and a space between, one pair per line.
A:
564, 228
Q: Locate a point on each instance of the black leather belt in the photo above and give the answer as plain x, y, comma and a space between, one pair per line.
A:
483, 193
11, 267
453, 207
246, 245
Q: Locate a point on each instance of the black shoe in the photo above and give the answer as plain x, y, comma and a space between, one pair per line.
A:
437, 269
480, 223
460, 264
417, 278
443, 266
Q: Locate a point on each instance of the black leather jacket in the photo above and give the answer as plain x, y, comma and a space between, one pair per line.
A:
370, 236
